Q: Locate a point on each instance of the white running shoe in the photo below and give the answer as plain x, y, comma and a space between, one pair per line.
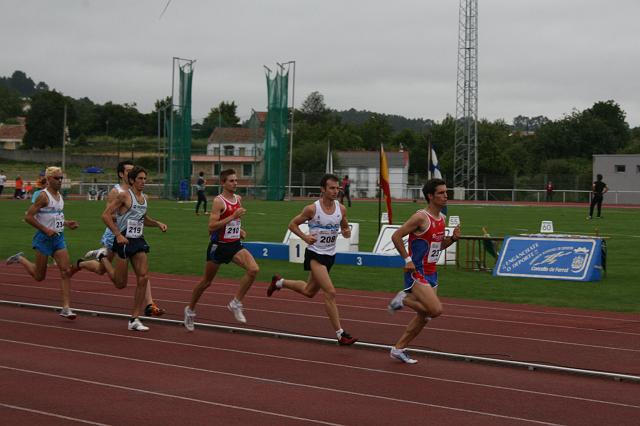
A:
401, 355
189, 318
68, 313
136, 325
396, 303
235, 306
15, 258
96, 254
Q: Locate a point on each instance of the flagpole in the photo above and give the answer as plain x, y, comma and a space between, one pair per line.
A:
380, 189
428, 157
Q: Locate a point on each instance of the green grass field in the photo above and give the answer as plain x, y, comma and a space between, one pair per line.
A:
182, 249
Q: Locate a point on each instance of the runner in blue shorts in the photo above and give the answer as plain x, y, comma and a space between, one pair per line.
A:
46, 214
426, 230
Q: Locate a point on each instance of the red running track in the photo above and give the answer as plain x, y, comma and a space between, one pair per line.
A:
94, 370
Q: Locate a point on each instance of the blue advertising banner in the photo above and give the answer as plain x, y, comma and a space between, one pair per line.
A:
558, 258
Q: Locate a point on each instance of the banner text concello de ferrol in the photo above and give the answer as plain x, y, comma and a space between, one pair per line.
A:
558, 258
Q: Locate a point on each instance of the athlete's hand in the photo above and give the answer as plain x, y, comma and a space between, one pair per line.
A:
456, 233
72, 224
50, 232
162, 227
243, 234
309, 239
121, 239
409, 267
238, 213
346, 232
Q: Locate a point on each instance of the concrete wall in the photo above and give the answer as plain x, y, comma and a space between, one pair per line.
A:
624, 186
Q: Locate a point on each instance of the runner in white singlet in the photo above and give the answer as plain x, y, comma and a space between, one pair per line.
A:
46, 214
327, 218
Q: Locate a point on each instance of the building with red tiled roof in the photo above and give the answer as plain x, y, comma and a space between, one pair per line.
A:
238, 148
11, 135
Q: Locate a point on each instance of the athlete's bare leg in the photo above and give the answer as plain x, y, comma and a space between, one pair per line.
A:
62, 259
141, 268
245, 260
37, 270
210, 271
424, 300
322, 280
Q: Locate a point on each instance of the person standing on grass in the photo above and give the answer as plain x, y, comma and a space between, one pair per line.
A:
3, 180
326, 217
225, 230
426, 230
95, 260
202, 196
129, 244
598, 189
46, 214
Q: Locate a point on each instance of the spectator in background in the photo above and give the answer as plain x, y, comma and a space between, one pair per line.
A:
184, 190
202, 197
549, 189
41, 184
3, 180
345, 190
27, 189
18, 192
598, 189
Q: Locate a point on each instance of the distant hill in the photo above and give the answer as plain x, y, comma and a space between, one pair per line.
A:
398, 122
23, 84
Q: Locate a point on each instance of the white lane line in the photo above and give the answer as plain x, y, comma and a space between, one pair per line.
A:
436, 329
166, 395
315, 362
344, 306
50, 414
254, 378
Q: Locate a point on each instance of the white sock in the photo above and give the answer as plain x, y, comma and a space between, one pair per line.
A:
339, 333
280, 283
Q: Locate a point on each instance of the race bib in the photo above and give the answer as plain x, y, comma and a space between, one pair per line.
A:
58, 222
325, 239
134, 228
434, 252
232, 230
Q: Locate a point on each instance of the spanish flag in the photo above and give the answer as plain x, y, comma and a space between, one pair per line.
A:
384, 181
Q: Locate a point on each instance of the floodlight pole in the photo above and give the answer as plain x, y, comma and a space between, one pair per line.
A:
293, 108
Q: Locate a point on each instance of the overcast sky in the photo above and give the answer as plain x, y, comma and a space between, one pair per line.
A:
536, 57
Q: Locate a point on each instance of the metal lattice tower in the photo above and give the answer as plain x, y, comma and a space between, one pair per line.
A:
465, 157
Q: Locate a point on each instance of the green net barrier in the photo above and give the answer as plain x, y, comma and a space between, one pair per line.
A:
178, 160
276, 145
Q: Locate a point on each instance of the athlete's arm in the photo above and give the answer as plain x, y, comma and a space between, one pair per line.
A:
413, 224
344, 223
107, 216
294, 226
149, 221
30, 215
453, 238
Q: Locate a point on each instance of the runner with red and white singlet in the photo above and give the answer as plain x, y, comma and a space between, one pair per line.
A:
225, 230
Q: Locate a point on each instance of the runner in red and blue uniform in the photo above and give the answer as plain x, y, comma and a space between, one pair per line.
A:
426, 230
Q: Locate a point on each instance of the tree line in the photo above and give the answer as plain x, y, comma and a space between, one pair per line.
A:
528, 146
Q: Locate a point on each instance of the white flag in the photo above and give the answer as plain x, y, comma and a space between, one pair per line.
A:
435, 168
329, 167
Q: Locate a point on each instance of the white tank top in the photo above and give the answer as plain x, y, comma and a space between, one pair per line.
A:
52, 216
325, 227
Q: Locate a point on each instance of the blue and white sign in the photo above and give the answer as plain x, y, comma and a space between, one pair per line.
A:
575, 259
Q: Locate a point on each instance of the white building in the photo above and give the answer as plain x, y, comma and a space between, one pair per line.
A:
363, 169
621, 173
